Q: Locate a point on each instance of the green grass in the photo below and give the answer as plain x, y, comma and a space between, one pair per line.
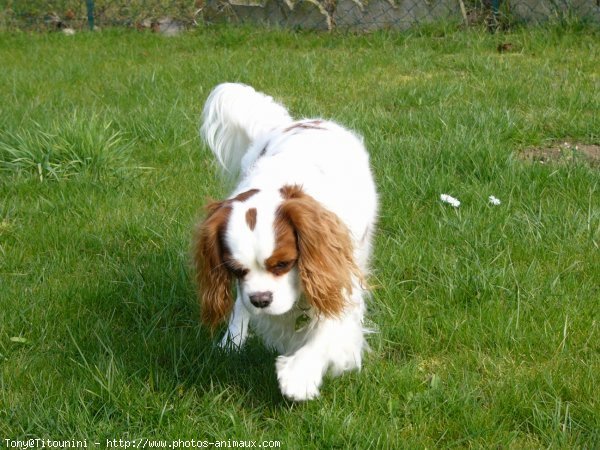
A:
487, 316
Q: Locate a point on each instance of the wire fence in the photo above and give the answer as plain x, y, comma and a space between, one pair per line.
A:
173, 16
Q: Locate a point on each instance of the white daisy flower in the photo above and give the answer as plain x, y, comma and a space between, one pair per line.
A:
450, 200
494, 201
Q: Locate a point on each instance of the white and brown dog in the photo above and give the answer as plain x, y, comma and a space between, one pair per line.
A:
294, 237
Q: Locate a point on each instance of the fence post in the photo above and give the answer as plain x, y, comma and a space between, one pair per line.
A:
496, 9
90, 13
493, 20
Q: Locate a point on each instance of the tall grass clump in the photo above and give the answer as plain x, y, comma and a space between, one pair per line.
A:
66, 149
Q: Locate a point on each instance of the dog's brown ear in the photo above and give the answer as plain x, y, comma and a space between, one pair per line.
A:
326, 262
213, 279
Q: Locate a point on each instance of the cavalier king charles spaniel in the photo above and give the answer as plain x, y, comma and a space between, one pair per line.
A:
287, 254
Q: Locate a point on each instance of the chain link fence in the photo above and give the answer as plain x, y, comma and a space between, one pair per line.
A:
173, 16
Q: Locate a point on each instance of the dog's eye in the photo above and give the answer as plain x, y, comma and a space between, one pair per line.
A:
280, 267
239, 273
236, 270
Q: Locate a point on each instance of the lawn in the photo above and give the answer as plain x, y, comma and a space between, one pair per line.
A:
487, 315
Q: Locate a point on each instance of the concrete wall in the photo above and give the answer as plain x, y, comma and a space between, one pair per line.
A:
377, 14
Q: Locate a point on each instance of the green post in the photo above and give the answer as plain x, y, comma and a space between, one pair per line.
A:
496, 9
90, 13
493, 20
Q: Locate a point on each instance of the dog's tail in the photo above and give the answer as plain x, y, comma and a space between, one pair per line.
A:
234, 116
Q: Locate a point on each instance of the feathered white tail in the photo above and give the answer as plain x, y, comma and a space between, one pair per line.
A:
234, 116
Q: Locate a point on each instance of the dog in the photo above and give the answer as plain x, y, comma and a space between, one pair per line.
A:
292, 242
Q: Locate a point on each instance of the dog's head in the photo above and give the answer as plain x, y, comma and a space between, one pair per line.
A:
276, 246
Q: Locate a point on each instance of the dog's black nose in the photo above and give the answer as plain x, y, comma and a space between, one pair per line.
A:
261, 299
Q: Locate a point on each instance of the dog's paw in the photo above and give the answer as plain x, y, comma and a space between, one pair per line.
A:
299, 378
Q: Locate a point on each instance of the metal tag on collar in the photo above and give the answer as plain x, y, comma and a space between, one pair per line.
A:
301, 321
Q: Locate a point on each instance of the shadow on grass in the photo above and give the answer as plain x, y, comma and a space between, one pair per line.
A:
146, 319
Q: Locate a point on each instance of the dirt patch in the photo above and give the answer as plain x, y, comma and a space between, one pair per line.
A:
564, 153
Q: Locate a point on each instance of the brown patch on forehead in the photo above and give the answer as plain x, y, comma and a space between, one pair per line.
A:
244, 195
251, 218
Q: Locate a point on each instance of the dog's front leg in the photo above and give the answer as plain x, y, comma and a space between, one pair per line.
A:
237, 330
300, 375
334, 345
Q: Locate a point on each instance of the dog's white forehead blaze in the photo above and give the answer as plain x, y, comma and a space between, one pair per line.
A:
250, 235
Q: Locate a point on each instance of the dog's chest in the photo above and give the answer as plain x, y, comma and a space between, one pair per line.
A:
287, 332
